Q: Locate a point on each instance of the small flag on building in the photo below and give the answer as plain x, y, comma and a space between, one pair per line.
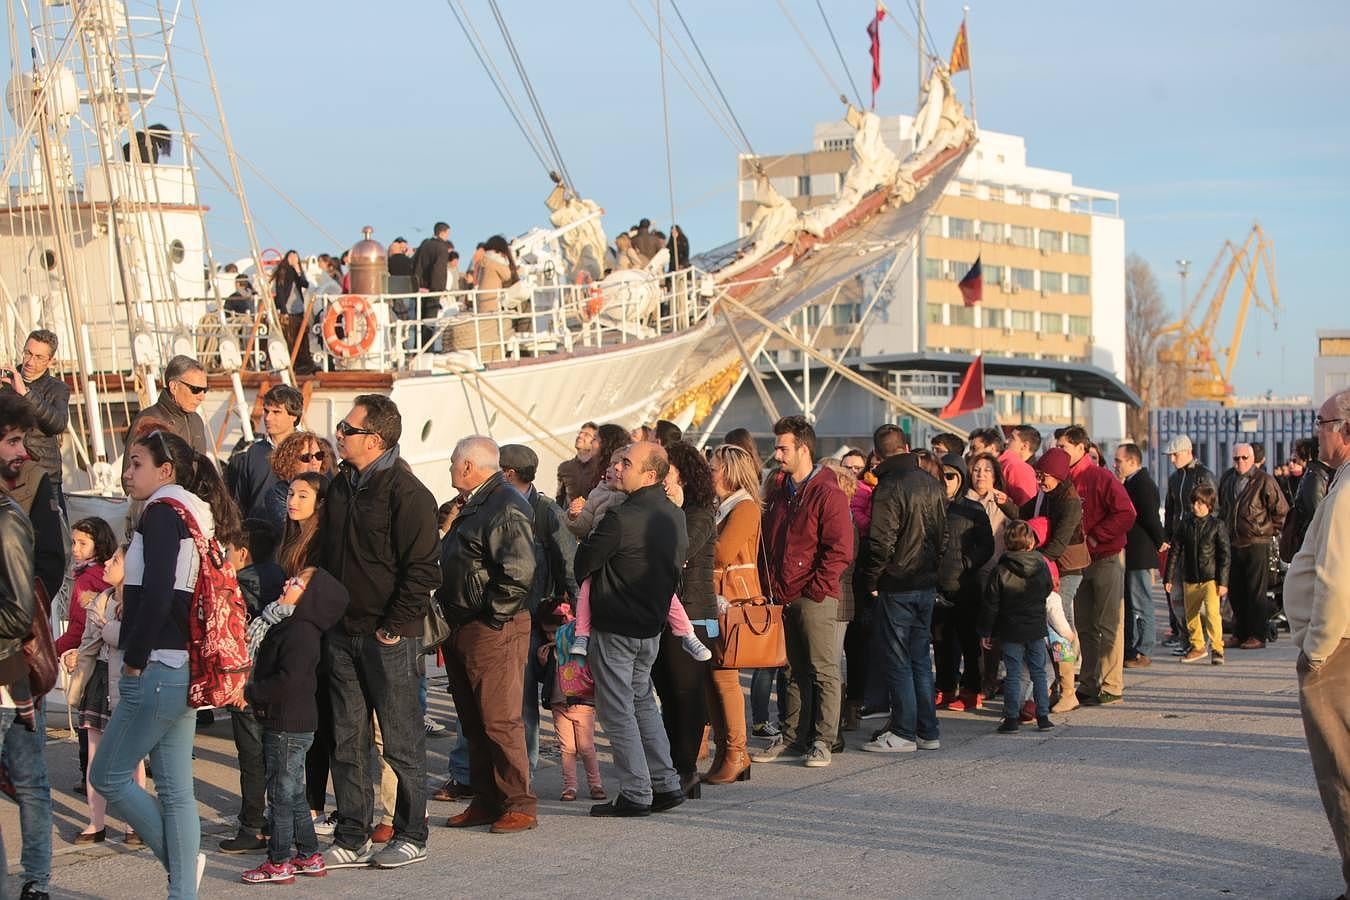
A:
972, 285
969, 396
960, 61
874, 32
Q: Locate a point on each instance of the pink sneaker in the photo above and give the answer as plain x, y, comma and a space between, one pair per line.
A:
270, 873
310, 866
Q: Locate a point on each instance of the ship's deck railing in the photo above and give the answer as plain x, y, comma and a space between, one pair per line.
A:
426, 331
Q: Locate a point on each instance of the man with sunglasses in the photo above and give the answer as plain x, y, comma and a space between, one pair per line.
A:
49, 397
183, 392
249, 475
1253, 509
378, 537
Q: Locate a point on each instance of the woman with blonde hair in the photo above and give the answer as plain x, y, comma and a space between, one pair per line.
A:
735, 476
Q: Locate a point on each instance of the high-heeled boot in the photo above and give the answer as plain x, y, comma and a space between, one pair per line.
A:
734, 767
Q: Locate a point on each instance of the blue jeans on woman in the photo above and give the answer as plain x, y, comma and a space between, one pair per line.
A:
284, 759
1033, 654
152, 716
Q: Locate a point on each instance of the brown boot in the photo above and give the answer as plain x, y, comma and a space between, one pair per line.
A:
1068, 699
734, 767
851, 719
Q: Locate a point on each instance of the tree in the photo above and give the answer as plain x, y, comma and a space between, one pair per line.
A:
1158, 384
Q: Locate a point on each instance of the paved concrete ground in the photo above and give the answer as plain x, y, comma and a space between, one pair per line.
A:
1198, 785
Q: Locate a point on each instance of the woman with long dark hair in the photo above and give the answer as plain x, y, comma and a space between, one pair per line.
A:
498, 270
681, 681
153, 716
288, 292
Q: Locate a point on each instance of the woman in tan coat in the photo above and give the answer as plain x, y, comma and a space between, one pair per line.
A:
497, 270
736, 580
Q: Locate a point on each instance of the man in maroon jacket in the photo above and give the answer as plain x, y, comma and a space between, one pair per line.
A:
1099, 606
808, 538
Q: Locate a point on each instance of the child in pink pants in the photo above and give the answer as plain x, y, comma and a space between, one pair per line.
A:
676, 618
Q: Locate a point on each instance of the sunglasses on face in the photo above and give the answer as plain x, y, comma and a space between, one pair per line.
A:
316, 456
1240, 458
951, 476
347, 430
197, 390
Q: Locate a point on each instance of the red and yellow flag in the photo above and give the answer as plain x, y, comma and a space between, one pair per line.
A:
960, 52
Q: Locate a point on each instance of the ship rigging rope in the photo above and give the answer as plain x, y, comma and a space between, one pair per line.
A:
824, 70
930, 45
714, 114
530, 94
837, 49
716, 84
499, 83
665, 107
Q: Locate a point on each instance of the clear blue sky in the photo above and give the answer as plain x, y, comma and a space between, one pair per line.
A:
1203, 115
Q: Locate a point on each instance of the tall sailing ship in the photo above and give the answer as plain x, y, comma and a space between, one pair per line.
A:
104, 240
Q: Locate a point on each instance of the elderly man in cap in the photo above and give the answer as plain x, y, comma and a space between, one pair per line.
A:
553, 579
487, 572
1189, 474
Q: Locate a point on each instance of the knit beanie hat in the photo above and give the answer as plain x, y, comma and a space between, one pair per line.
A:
1055, 463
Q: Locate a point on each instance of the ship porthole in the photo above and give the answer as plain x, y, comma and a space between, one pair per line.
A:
49, 260
176, 251
426, 431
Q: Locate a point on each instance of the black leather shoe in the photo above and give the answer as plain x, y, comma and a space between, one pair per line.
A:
620, 807
664, 800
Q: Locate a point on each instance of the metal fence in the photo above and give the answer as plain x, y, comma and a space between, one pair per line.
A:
1214, 430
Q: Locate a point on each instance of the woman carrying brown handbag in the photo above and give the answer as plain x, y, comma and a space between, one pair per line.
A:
736, 580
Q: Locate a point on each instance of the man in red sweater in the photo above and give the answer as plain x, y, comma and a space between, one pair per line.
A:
1019, 478
1099, 606
808, 540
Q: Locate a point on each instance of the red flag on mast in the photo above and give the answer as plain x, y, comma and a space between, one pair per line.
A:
969, 395
960, 60
874, 32
972, 284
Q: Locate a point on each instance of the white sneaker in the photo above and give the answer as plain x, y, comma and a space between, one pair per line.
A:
336, 857
695, 648
934, 744
201, 870
326, 825
890, 742
819, 756
432, 727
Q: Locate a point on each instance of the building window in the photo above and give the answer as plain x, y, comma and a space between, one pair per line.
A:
1019, 236
996, 194
932, 226
1080, 244
1080, 284
991, 318
935, 314
1080, 325
1049, 241
846, 314
803, 185
1024, 279
992, 274
960, 229
932, 268
1052, 323
967, 188
961, 315
991, 232
1052, 282
838, 143
1021, 320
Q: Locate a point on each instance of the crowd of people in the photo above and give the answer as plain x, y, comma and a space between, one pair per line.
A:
910, 580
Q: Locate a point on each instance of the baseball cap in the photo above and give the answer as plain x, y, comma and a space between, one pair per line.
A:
1179, 444
518, 457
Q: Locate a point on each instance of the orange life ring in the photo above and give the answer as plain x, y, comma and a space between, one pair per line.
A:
595, 298
270, 262
349, 308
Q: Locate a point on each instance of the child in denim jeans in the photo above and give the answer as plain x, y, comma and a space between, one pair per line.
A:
1014, 611
282, 693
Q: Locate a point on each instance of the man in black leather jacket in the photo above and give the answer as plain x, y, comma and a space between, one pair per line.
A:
487, 576
49, 397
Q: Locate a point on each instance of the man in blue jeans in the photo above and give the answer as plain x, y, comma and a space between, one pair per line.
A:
23, 727
1143, 542
900, 566
378, 537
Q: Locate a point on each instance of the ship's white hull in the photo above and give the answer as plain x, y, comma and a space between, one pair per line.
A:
525, 403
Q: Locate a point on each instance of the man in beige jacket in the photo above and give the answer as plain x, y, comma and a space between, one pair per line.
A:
1317, 602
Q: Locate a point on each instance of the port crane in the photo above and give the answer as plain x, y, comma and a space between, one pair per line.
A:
1207, 367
